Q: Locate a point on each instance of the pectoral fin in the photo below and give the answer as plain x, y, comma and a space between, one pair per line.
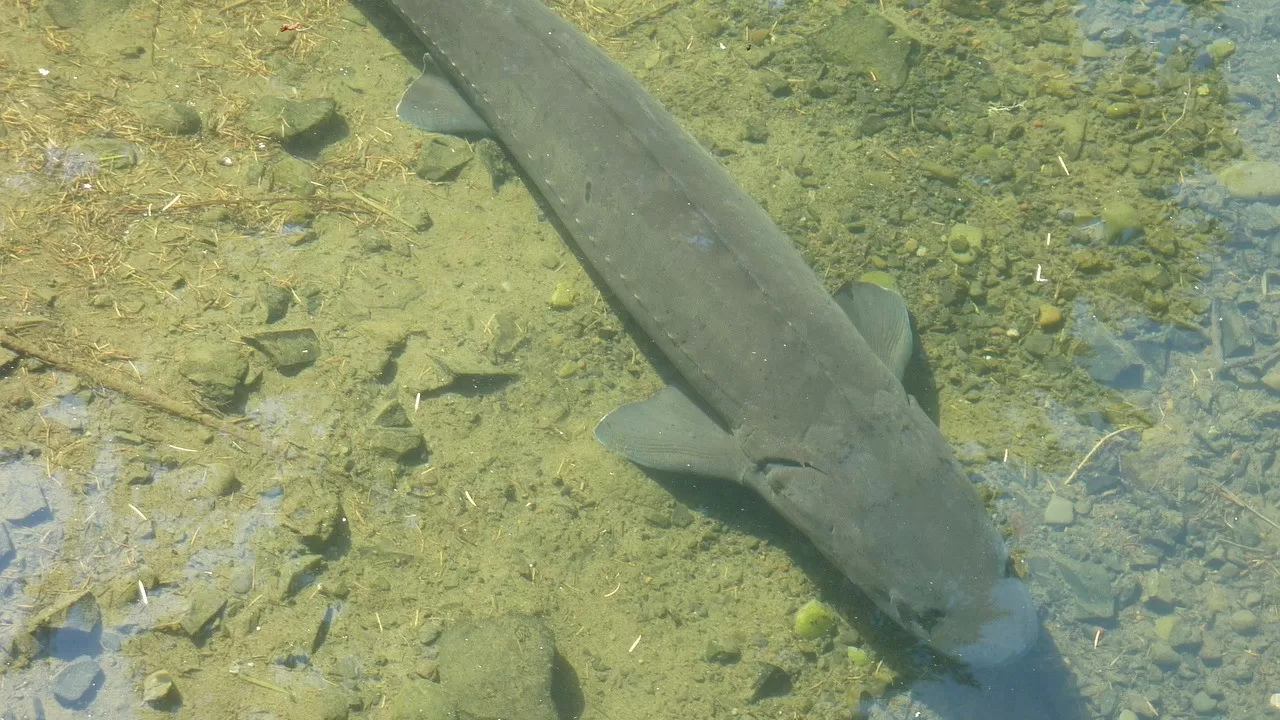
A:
670, 432
881, 316
432, 104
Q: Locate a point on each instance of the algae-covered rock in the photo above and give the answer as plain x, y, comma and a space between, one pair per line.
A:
1252, 180
868, 44
1121, 222
814, 620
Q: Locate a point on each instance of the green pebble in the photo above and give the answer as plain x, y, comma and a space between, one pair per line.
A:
814, 620
562, 297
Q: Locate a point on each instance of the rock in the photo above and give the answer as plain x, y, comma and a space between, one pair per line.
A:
296, 574
170, 118
292, 176
311, 510
217, 370
1110, 360
203, 608
500, 668
1202, 704
22, 501
1091, 585
70, 628
1243, 622
442, 157
1237, 337
1048, 317
219, 480
770, 681
861, 42
292, 121
156, 687
1059, 511
7, 551
1254, 180
1121, 222
422, 700
77, 683
288, 351
1158, 592
1163, 655
814, 620
723, 651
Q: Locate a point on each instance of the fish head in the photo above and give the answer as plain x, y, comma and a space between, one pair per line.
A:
926, 550
987, 630
901, 518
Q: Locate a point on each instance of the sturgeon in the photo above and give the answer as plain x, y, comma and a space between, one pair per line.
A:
786, 390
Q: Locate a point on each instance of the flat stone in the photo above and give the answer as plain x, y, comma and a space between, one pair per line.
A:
1244, 622
204, 606
1091, 586
287, 350
217, 370
1059, 511
22, 501
1202, 704
7, 551
1252, 180
77, 683
500, 668
422, 700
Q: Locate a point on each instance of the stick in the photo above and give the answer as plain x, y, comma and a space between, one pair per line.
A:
1096, 445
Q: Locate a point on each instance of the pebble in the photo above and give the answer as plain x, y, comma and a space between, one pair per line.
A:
1059, 511
1048, 317
1202, 704
1244, 622
75, 683
562, 298
156, 686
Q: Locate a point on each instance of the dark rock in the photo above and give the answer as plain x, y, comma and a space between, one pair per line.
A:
770, 681
78, 682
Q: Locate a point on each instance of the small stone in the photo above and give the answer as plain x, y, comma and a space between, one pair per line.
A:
562, 298
204, 606
442, 158
1211, 651
7, 551
1244, 622
77, 683
1059, 512
1048, 317
220, 480
156, 686
1127, 715
1202, 704
1163, 654
170, 118
724, 652
1121, 222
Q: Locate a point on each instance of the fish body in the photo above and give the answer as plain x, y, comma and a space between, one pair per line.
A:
786, 389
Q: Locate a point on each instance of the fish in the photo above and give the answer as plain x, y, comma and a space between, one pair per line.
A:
783, 388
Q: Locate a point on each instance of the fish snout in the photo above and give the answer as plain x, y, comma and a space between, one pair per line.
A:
999, 630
